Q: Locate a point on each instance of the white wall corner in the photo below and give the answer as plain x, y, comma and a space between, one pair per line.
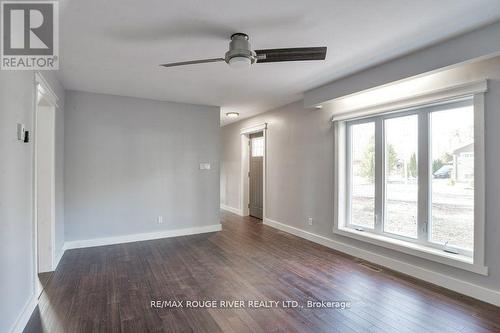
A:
236, 211
466, 288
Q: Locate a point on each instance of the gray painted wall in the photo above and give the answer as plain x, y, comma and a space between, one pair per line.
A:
300, 171
17, 286
130, 160
16, 224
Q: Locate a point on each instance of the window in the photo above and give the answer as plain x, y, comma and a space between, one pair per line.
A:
410, 180
401, 176
452, 186
362, 170
257, 146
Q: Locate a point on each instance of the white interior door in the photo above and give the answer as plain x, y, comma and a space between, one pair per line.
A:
256, 174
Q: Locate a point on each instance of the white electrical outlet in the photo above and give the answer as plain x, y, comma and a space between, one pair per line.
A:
310, 221
160, 219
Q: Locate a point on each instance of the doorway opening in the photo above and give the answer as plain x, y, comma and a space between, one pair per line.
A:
253, 171
44, 183
255, 174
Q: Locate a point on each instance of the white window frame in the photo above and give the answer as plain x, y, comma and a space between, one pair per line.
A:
420, 105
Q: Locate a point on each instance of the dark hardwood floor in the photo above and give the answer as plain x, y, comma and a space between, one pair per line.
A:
110, 288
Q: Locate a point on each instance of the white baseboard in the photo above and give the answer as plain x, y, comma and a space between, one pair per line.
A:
25, 315
77, 244
463, 287
232, 210
59, 255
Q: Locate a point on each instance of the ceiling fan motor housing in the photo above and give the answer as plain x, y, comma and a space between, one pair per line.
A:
240, 47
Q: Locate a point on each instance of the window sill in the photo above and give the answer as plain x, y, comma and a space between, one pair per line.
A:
429, 253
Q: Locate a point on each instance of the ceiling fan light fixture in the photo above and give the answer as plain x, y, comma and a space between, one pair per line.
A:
232, 114
240, 62
241, 55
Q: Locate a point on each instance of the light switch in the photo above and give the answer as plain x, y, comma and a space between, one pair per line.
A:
20, 132
204, 166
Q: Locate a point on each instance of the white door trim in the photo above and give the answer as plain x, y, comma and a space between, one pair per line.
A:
245, 168
253, 129
40, 86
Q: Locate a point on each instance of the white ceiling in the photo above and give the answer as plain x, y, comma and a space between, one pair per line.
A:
115, 46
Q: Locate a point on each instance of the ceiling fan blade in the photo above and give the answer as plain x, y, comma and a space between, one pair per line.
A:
291, 54
192, 62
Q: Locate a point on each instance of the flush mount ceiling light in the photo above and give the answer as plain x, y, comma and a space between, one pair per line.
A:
232, 114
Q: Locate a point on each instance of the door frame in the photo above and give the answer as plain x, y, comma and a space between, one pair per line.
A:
245, 168
41, 88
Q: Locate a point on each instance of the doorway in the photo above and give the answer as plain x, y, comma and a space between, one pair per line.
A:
44, 183
256, 174
253, 171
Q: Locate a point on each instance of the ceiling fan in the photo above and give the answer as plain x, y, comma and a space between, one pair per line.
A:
241, 55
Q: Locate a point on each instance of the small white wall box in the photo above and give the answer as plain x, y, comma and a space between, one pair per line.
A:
204, 166
21, 133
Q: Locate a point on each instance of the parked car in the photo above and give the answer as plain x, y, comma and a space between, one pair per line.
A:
443, 172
